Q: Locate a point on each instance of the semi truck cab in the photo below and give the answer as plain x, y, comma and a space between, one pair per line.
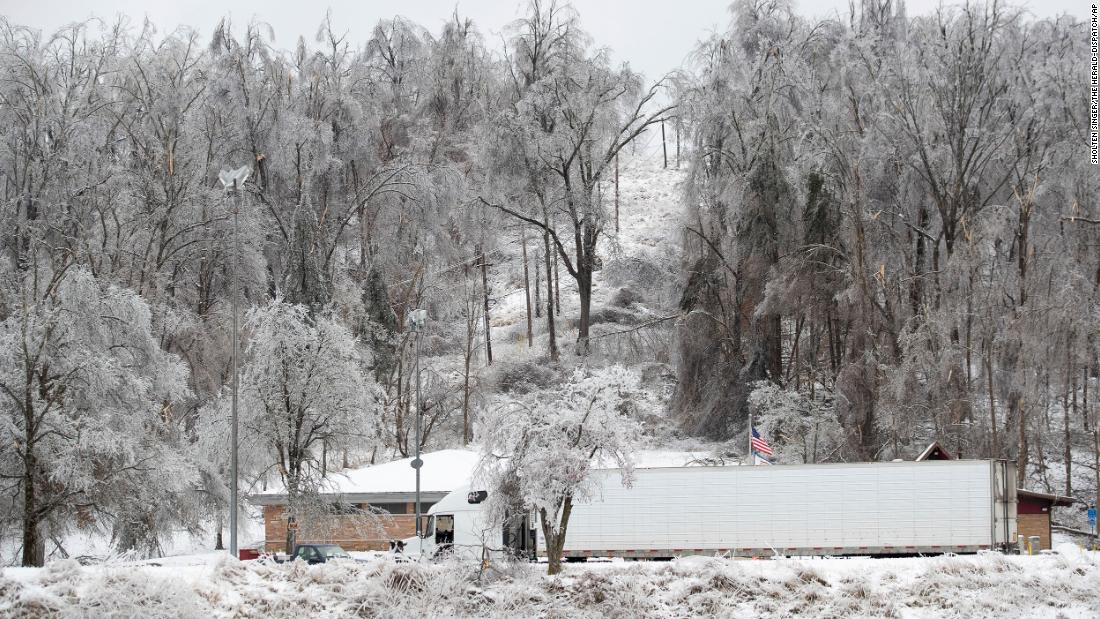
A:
460, 525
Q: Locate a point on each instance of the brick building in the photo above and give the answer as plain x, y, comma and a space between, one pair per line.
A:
365, 508
1033, 514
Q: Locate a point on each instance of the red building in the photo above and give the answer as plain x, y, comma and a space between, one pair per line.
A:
1033, 514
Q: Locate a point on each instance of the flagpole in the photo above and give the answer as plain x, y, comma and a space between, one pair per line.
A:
752, 460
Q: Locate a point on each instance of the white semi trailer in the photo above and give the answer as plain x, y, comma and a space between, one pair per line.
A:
880, 508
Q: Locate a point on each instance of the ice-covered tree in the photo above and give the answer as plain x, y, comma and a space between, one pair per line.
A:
571, 113
304, 388
88, 411
800, 429
538, 450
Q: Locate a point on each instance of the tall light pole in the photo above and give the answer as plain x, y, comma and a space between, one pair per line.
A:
416, 321
231, 181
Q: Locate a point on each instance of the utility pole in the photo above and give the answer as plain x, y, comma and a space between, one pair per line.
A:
233, 180
416, 324
236, 384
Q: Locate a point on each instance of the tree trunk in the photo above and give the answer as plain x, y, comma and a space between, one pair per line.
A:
218, 543
1068, 439
969, 321
584, 290
994, 449
550, 328
1022, 458
555, 539
557, 285
616, 193
33, 544
485, 294
676, 125
466, 394
538, 285
916, 286
795, 353
471, 336
1085, 397
664, 146
1096, 463
527, 286
774, 340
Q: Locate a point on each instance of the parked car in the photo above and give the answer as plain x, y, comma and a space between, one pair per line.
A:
318, 553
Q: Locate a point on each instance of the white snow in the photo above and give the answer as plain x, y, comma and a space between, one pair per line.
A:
442, 471
1061, 585
655, 458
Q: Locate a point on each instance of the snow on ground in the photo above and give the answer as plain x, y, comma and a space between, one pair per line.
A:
1059, 585
98, 547
660, 458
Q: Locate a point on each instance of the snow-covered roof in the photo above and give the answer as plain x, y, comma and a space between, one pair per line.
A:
935, 451
442, 472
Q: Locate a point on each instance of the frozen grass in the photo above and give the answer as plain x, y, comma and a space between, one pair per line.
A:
1064, 585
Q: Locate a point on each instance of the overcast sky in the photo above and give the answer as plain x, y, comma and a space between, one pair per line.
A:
655, 36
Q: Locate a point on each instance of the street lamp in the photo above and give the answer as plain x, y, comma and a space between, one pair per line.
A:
415, 322
231, 181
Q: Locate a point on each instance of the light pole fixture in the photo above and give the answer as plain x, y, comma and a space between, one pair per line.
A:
415, 322
231, 181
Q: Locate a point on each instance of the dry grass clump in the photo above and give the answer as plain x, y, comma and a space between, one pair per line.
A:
953, 587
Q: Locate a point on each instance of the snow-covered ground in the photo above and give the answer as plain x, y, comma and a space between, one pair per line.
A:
1065, 584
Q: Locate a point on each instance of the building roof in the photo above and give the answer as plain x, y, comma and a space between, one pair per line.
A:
442, 472
935, 451
1053, 499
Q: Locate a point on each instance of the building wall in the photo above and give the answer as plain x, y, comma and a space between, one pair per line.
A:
351, 532
1035, 524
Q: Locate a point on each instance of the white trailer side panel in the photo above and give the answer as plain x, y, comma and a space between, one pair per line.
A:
867, 508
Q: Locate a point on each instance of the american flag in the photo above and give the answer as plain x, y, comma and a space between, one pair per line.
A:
759, 445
